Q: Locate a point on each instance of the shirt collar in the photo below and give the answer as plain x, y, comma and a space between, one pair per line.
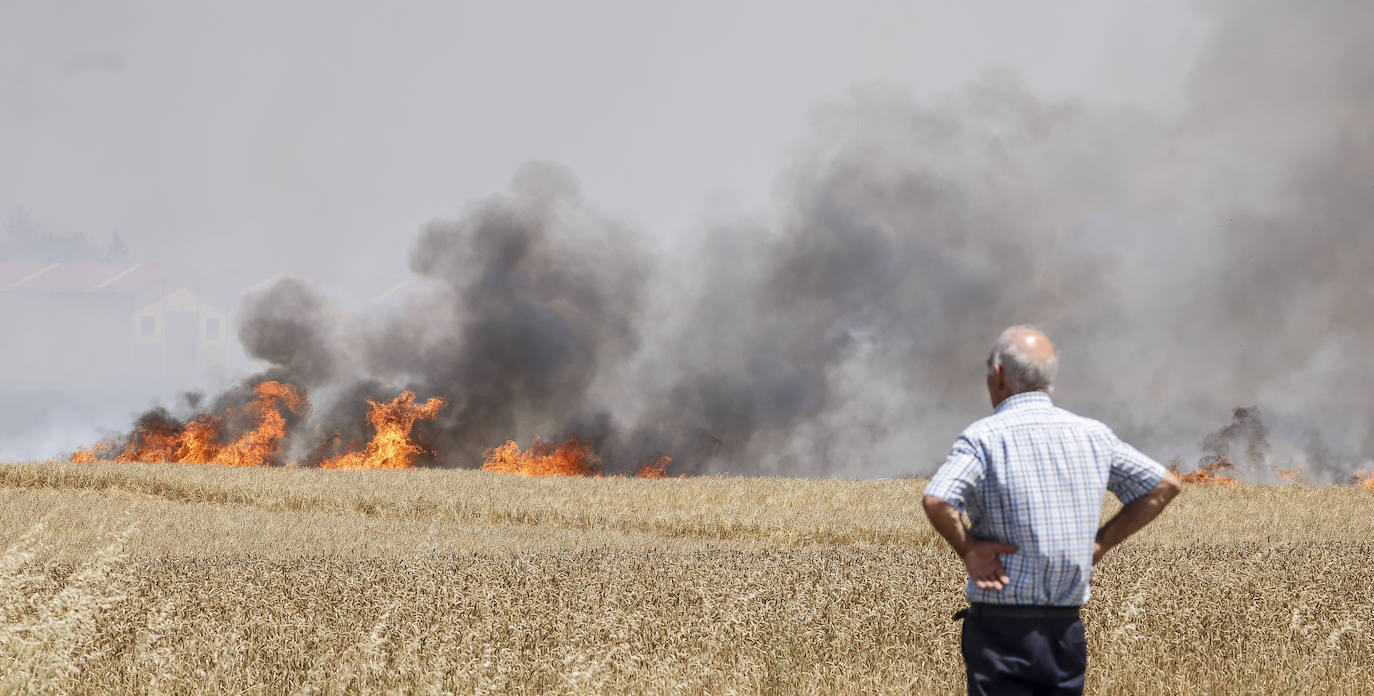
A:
1024, 400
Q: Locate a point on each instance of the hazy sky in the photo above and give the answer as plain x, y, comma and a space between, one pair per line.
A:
247, 133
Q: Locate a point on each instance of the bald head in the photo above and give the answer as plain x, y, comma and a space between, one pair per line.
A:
1022, 360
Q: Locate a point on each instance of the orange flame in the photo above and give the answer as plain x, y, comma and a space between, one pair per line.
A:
84, 455
391, 446
260, 444
202, 440
1293, 475
197, 442
1209, 473
161, 442
1364, 479
654, 469
571, 458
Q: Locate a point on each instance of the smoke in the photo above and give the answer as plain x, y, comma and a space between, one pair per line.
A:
910, 232
540, 294
1245, 440
1279, 313
287, 325
1183, 265
533, 295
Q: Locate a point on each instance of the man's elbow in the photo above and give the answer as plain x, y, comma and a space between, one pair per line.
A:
933, 505
1170, 486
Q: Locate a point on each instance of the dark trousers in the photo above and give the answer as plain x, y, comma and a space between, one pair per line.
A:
1009, 654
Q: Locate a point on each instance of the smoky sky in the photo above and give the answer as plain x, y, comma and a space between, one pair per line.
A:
248, 136
1195, 245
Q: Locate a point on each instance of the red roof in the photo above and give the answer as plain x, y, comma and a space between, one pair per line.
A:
37, 276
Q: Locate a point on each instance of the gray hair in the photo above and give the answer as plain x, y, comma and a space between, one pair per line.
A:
1022, 372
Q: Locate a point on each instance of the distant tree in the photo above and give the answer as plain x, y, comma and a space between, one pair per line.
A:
16, 234
117, 249
21, 239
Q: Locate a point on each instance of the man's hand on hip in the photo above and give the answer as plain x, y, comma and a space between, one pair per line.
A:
980, 555
1135, 514
984, 566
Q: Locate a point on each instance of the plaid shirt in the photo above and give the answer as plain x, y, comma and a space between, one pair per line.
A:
1034, 476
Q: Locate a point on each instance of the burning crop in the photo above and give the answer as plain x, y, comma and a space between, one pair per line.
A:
207, 438
1364, 479
391, 447
262, 443
1297, 475
1210, 471
654, 468
160, 438
571, 458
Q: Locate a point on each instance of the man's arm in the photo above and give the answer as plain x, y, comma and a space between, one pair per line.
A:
1136, 514
979, 555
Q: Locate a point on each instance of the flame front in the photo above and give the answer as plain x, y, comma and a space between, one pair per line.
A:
202, 440
391, 446
181, 443
654, 469
83, 455
199, 441
571, 458
260, 444
1364, 479
208, 439
1209, 473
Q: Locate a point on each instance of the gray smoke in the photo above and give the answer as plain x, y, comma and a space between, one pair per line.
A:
1184, 264
540, 293
1244, 440
534, 295
1278, 157
865, 314
288, 326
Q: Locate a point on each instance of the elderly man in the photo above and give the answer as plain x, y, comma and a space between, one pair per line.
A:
1032, 478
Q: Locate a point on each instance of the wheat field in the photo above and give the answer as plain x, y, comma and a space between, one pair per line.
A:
119, 578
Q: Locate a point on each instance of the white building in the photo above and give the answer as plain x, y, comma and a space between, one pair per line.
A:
107, 326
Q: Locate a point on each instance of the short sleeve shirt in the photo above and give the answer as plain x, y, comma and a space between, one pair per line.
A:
1035, 476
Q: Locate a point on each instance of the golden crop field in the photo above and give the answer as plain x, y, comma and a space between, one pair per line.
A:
119, 578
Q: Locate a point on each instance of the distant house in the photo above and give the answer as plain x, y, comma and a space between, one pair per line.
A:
101, 325
178, 334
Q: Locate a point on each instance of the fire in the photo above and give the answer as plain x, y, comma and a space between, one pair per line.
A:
168, 441
260, 444
222, 439
1293, 475
571, 458
1210, 471
199, 441
1364, 479
654, 469
391, 446
83, 455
